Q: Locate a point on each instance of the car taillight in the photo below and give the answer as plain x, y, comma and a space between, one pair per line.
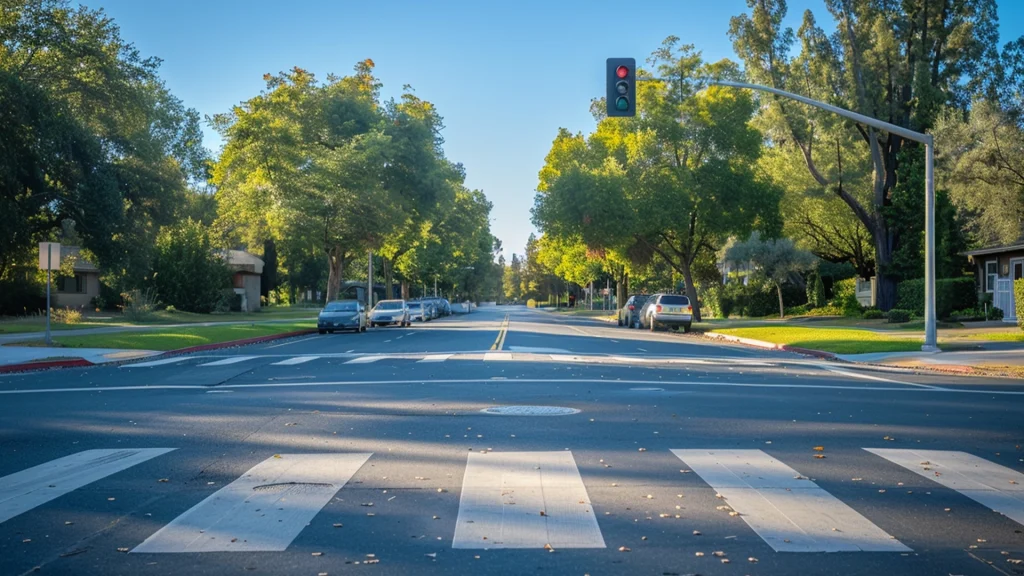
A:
689, 308
658, 309
631, 307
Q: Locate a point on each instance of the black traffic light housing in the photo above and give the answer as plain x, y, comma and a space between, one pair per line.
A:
621, 98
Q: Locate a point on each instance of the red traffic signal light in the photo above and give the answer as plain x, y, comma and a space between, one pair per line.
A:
622, 71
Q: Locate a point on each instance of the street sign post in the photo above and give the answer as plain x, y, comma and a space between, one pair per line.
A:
49, 260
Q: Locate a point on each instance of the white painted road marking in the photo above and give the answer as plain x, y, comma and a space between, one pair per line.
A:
497, 356
539, 350
875, 378
294, 361
289, 343
998, 487
262, 511
790, 514
226, 361
505, 493
365, 359
435, 358
160, 362
23, 491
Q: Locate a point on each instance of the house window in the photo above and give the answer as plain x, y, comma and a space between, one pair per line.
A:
991, 272
73, 284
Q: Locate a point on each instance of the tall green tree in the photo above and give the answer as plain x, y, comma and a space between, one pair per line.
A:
187, 273
901, 62
779, 261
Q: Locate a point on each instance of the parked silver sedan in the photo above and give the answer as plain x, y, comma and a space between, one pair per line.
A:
388, 312
667, 310
342, 315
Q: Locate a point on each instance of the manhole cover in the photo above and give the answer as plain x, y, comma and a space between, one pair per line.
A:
648, 389
530, 410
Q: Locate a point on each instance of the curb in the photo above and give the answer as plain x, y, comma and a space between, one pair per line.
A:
772, 346
82, 362
30, 366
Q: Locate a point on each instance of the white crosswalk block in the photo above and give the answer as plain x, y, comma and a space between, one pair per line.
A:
998, 487
504, 493
264, 510
435, 358
23, 491
295, 360
231, 360
788, 511
365, 359
498, 357
160, 362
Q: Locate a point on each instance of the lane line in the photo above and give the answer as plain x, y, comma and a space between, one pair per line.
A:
788, 511
877, 378
434, 358
227, 361
499, 342
987, 483
987, 392
538, 350
365, 359
296, 360
641, 349
263, 510
292, 342
525, 500
23, 491
159, 362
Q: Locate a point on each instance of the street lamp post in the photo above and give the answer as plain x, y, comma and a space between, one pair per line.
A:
930, 335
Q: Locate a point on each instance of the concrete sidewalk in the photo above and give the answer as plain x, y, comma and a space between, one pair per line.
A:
20, 355
27, 336
1007, 356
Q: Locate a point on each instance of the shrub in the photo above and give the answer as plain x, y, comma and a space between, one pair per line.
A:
170, 309
139, 304
1018, 295
958, 315
950, 294
845, 297
66, 315
997, 314
186, 271
719, 301
897, 316
828, 310
21, 295
815, 291
873, 314
801, 310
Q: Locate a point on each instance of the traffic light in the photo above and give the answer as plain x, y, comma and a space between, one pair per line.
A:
621, 97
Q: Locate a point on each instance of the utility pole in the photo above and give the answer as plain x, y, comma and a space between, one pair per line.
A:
369, 280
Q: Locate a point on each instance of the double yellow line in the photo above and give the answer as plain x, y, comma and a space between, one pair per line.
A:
499, 342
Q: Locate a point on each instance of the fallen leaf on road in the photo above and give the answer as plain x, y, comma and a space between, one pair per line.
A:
643, 450
318, 553
718, 553
549, 548
26, 540
752, 559
624, 549
371, 561
431, 555
696, 532
725, 560
68, 523
819, 456
698, 553
819, 448
163, 480
543, 513
337, 525
122, 550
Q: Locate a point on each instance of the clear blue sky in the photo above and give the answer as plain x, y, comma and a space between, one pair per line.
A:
505, 75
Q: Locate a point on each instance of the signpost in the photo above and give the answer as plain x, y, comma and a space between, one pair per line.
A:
49, 260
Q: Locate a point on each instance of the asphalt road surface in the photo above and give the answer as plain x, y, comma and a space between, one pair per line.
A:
378, 453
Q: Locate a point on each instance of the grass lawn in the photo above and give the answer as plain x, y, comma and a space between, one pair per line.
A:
998, 336
101, 319
837, 340
174, 338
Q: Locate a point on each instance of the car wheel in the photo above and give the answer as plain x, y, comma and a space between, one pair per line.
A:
686, 327
620, 321
322, 331
330, 331
654, 325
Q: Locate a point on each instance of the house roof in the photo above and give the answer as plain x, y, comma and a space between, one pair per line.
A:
994, 250
81, 264
242, 261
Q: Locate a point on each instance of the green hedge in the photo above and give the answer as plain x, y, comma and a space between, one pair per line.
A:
897, 316
1018, 295
844, 296
950, 294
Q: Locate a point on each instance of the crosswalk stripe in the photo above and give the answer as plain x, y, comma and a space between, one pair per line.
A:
226, 361
998, 487
23, 491
525, 500
264, 510
497, 356
787, 510
294, 361
365, 359
160, 362
436, 358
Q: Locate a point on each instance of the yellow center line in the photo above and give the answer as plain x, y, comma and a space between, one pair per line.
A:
499, 342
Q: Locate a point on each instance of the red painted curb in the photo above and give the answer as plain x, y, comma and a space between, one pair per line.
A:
27, 366
233, 343
772, 345
809, 352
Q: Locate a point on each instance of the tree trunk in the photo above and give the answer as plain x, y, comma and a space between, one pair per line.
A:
885, 284
691, 290
782, 307
389, 291
405, 290
336, 266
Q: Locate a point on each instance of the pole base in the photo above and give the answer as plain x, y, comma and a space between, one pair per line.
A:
929, 348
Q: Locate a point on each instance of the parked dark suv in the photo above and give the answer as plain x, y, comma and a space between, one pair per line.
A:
629, 314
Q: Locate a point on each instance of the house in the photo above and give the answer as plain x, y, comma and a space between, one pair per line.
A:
78, 289
246, 271
995, 269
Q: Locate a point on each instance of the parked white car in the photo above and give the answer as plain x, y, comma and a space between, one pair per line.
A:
388, 312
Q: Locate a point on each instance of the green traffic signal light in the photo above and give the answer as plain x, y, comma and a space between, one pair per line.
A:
622, 103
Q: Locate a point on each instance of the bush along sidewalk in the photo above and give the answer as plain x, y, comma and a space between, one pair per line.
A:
1018, 295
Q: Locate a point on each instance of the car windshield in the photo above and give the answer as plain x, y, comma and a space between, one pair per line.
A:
389, 305
674, 300
341, 307
414, 305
